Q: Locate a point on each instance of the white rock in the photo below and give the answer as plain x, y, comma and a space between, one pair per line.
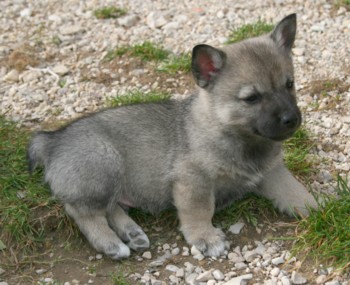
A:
275, 271
26, 13
211, 282
195, 251
128, 20
175, 251
332, 283
240, 280
250, 255
39, 271
2, 271
147, 255
218, 275
99, 256
60, 69
298, 279
285, 280
199, 256
191, 279
240, 265
277, 260
70, 29
205, 276
180, 273
155, 20
13, 75
321, 279
3, 283
30, 75
172, 268
236, 228
174, 279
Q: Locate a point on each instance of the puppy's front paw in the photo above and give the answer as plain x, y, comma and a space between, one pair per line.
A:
211, 243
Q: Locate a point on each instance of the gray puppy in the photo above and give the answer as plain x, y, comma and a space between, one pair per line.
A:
197, 154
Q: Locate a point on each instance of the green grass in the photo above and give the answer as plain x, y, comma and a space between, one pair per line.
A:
296, 153
137, 96
343, 3
147, 51
251, 209
176, 63
110, 12
325, 234
118, 278
249, 31
21, 196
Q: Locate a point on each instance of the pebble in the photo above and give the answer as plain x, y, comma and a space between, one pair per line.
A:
70, 29
285, 280
240, 280
206, 276
321, 279
60, 69
172, 268
298, 279
236, 228
99, 256
218, 275
13, 75
277, 260
147, 255
2, 271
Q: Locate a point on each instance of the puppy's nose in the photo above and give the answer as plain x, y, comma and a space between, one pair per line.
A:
290, 120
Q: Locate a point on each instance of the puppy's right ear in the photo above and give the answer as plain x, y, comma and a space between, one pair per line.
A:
207, 63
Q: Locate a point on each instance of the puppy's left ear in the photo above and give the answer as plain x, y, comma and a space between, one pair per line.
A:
207, 63
284, 33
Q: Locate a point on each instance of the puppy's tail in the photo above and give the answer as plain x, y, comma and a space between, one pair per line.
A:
37, 150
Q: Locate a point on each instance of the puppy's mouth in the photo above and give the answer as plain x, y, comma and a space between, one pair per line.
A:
278, 138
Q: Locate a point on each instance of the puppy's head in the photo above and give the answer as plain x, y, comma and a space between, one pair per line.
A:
250, 84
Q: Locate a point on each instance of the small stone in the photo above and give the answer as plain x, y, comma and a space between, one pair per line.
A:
156, 282
60, 69
240, 280
218, 275
199, 256
195, 251
155, 20
4, 283
321, 279
175, 251
39, 271
173, 279
241, 265
277, 261
285, 280
298, 51
166, 246
235, 257
180, 273
172, 268
236, 228
147, 255
26, 13
275, 271
332, 283
70, 29
13, 76
128, 20
298, 279
191, 279
99, 256
250, 255
211, 282
2, 271
48, 280
205, 276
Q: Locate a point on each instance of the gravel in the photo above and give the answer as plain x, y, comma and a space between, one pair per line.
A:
68, 40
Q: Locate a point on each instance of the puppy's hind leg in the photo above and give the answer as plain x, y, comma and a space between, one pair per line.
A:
130, 232
93, 224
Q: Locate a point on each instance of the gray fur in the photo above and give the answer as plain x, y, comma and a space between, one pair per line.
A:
198, 154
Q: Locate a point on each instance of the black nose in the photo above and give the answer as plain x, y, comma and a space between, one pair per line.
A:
290, 120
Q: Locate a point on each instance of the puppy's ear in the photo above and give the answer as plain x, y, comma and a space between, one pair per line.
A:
284, 33
207, 63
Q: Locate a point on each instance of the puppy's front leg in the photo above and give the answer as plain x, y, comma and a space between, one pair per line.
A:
195, 203
287, 193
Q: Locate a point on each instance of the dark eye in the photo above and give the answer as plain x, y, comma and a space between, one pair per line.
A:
290, 84
253, 98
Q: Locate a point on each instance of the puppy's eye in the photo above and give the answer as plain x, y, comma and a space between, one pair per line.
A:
290, 84
252, 99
